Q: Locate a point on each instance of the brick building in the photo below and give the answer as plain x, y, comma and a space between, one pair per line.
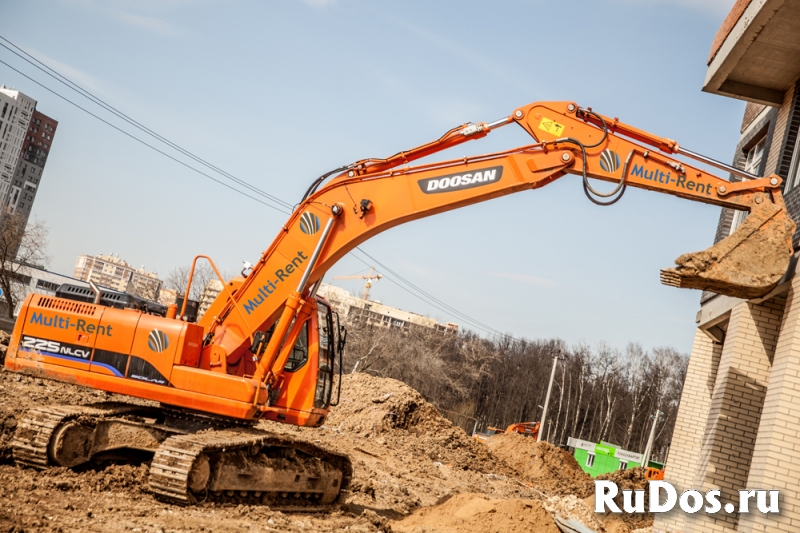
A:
738, 425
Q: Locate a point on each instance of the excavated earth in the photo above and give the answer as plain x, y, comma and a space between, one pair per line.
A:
413, 472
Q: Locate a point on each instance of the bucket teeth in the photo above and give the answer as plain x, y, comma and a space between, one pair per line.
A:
747, 264
670, 277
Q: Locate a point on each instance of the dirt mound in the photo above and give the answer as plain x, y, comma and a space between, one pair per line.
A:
8, 425
573, 508
631, 479
474, 513
547, 468
371, 404
386, 409
5, 338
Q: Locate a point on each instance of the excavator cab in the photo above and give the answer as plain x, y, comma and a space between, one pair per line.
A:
305, 391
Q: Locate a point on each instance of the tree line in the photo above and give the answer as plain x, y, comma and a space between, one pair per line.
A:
599, 392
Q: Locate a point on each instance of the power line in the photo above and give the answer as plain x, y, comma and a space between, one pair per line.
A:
143, 142
108, 107
452, 310
432, 300
420, 293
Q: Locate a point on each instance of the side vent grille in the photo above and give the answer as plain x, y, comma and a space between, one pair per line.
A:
57, 304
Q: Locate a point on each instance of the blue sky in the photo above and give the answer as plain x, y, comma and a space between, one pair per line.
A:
279, 92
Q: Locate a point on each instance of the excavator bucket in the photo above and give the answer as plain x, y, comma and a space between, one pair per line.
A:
747, 264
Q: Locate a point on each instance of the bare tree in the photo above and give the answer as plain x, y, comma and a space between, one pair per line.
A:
21, 246
178, 278
603, 393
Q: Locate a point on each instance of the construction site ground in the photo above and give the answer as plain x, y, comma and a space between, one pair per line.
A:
414, 472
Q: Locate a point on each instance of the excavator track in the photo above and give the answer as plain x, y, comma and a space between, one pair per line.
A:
196, 457
250, 465
31, 443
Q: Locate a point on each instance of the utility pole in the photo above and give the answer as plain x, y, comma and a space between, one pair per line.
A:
547, 399
649, 448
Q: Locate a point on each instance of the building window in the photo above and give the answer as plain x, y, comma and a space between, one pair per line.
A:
752, 164
49, 285
794, 170
590, 460
623, 465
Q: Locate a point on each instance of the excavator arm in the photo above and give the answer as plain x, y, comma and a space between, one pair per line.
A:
372, 196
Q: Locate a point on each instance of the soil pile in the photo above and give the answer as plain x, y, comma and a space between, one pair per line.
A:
474, 513
573, 508
549, 469
631, 479
404, 453
389, 410
4, 340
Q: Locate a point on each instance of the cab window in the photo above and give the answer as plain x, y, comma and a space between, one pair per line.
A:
299, 354
322, 396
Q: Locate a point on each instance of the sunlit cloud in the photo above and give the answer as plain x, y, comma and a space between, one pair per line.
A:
87, 81
153, 24
143, 14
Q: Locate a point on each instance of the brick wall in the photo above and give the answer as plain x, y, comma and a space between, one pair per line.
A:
735, 411
777, 149
751, 111
776, 456
688, 433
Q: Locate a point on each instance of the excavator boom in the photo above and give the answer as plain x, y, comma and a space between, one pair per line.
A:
375, 195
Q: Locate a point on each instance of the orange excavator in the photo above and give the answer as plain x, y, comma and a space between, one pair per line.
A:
266, 347
526, 429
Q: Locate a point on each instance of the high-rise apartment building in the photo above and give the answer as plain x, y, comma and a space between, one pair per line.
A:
115, 273
29, 169
16, 111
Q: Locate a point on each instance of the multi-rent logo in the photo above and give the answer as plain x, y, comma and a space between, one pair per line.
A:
66, 323
679, 182
458, 182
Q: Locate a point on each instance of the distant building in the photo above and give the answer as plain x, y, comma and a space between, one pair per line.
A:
30, 279
16, 111
210, 293
604, 457
357, 310
113, 272
30, 167
167, 296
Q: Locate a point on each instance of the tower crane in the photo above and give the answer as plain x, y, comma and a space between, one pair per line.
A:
368, 285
